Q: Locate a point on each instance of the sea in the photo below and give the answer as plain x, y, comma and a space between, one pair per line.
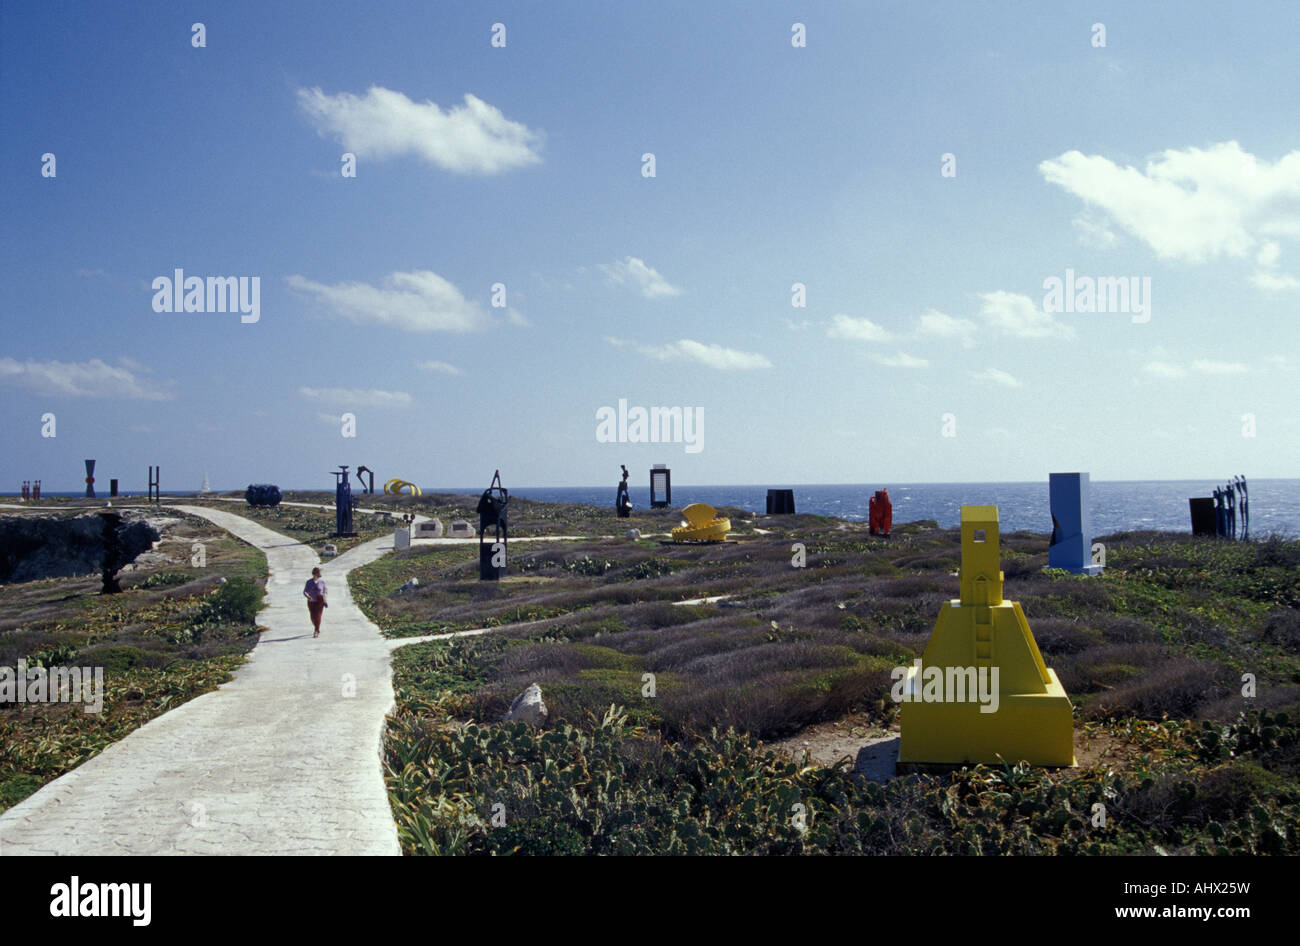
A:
1117, 506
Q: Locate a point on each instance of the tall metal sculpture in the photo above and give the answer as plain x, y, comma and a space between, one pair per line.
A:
622, 501
343, 504
112, 523
155, 477
1230, 497
90, 479
368, 486
492, 514
1240, 482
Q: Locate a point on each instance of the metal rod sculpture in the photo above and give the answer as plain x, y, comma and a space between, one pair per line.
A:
1239, 481
90, 479
1230, 496
367, 485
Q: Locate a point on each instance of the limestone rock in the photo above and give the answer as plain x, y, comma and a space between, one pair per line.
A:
528, 707
430, 529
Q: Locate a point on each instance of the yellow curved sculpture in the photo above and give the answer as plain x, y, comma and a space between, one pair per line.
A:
395, 486
703, 524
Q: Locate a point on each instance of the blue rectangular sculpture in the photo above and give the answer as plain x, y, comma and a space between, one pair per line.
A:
1071, 547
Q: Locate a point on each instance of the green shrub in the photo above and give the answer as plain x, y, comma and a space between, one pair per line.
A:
235, 602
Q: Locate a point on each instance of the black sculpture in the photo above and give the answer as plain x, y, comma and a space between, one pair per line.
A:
262, 494
113, 558
1245, 505
1230, 494
492, 514
623, 502
368, 486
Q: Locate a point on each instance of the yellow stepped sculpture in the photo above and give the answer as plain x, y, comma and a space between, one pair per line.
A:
703, 524
1027, 712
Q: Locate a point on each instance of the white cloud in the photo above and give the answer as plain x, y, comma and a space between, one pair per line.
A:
441, 367
901, 360
996, 376
1164, 369
634, 272
418, 301
1271, 282
711, 356
1191, 205
1094, 234
857, 330
92, 378
1205, 366
473, 138
356, 397
1014, 314
936, 324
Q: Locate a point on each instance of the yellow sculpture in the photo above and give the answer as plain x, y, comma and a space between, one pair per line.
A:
395, 486
981, 692
703, 524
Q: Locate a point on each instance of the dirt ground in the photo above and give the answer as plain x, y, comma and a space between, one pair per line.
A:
873, 750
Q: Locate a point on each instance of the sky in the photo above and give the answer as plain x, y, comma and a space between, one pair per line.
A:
838, 261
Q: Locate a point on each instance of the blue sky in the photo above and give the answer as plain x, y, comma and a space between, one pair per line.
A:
1170, 154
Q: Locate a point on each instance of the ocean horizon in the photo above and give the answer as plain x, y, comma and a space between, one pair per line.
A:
1117, 505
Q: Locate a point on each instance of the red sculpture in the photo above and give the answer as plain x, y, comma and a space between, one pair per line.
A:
881, 513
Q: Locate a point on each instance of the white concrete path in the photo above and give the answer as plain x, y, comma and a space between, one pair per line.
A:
284, 759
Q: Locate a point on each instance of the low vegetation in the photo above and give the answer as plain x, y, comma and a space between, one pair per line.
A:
658, 709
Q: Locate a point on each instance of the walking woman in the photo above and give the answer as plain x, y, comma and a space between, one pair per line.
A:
314, 592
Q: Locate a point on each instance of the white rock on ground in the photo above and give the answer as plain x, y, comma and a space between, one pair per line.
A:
528, 707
